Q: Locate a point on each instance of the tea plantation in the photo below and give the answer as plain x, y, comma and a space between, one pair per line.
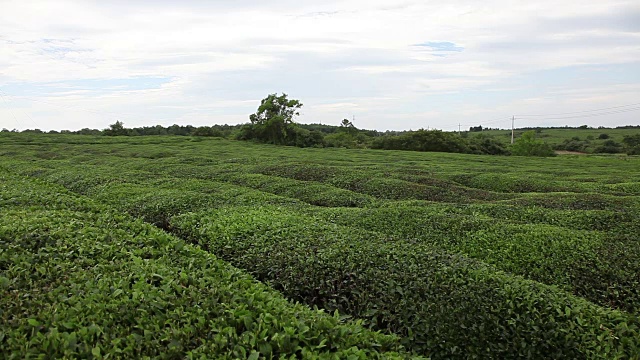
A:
180, 247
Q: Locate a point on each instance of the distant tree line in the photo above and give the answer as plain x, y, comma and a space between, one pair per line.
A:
273, 123
583, 127
480, 128
118, 129
440, 141
630, 145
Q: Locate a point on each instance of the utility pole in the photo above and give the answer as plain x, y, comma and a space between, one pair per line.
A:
513, 120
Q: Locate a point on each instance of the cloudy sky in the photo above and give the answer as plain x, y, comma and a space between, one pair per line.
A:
391, 64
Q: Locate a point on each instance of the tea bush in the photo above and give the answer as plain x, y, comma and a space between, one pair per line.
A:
442, 304
449, 251
95, 284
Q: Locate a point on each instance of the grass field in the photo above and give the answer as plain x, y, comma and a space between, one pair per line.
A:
189, 247
590, 137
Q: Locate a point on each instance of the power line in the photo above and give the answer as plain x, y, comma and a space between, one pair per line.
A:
24, 112
584, 111
10, 110
513, 121
488, 122
572, 115
594, 114
496, 121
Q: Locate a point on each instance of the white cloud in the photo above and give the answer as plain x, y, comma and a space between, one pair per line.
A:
338, 57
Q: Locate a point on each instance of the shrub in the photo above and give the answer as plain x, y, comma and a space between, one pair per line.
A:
573, 145
609, 147
305, 138
97, 284
444, 305
487, 145
310, 192
423, 140
527, 145
584, 262
632, 144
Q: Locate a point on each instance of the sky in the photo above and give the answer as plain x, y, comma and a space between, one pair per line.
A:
386, 65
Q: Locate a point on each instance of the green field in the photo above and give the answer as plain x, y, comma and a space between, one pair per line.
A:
179, 247
588, 139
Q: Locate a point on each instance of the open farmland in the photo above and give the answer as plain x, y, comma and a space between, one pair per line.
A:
151, 246
587, 140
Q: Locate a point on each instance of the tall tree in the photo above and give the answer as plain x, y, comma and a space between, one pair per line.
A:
273, 121
116, 129
348, 126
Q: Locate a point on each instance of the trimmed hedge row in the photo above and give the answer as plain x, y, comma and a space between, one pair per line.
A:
396, 189
26, 193
100, 181
514, 183
97, 285
158, 202
383, 184
224, 192
596, 266
149, 179
599, 220
623, 219
445, 305
632, 188
223, 176
602, 267
310, 192
521, 182
588, 201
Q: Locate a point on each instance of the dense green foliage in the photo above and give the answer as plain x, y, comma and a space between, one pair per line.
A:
600, 267
632, 144
78, 280
273, 123
528, 145
462, 256
428, 296
582, 139
435, 140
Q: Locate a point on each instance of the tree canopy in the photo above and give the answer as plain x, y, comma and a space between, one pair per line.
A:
273, 121
528, 145
116, 129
